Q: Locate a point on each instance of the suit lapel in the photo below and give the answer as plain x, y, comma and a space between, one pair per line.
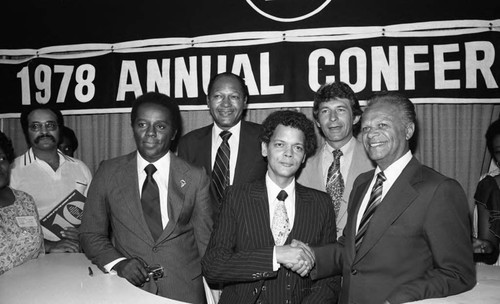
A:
177, 186
396, 201
258, 208
128, 182
302, 214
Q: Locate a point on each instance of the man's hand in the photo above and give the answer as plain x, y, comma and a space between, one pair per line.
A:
482, 246
70, 233
133, 270
64, 245
297, 256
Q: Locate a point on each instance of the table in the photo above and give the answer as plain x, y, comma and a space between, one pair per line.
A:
64, 278
486, 291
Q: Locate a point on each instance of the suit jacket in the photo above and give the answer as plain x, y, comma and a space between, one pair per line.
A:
240, 252
113, 204
312, 176
417, 245
196, 148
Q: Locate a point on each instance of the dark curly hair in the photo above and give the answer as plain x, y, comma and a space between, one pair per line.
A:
491, 133
292, 119
7, 148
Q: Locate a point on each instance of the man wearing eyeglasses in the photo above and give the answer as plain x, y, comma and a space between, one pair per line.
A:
47, 174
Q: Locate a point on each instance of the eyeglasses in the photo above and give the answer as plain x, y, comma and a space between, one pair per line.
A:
49, 126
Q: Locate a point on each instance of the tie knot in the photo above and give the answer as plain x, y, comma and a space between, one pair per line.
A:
282, 195
225, 135
150, 169
337, 154
381, 177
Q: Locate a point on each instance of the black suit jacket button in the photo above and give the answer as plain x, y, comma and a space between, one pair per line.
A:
264, 288
255, 291
155, 249
354, 272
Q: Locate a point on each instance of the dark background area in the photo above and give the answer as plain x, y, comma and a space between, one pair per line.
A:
36, 24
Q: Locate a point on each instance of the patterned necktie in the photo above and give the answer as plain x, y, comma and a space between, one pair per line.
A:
220, 173
280, 225
375, 198
150, 199
335, 182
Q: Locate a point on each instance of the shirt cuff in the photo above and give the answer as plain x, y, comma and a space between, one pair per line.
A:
112, 264
276, 265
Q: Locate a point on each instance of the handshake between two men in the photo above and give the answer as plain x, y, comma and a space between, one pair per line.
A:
297, 256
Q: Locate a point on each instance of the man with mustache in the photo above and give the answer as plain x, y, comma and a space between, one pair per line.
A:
48, 174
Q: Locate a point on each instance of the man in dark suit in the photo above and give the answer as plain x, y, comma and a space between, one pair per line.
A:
248, 251
227, 97
167, 224
407, 235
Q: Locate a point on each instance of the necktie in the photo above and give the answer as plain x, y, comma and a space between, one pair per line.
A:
335, 182
150, 200
220, 173
373, 202
280, 225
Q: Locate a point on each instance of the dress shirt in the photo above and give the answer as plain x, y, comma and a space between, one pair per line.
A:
234, 142
272, 193
345, 159
161, 177
391, 173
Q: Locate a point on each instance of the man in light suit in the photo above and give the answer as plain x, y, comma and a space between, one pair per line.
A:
250, 257
116, 233
226, 99
416, 244
337, 114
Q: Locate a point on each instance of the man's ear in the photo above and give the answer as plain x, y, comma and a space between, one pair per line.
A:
173, 135
356, 119
263, 146
409, 130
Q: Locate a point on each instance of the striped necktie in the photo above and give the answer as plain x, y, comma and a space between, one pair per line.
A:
220, 173
375, 198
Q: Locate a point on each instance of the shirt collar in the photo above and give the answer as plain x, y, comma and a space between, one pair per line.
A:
394, 170
273, 189
346, 149
235, 131
163, 162
30, 157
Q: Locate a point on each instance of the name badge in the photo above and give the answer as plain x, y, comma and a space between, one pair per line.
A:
26, 221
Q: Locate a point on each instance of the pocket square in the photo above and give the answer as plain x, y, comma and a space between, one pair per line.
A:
183, 183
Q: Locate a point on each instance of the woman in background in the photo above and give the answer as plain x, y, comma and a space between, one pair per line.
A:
487, 199
21, 237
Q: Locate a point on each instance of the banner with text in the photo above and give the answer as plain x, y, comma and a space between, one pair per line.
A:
281, 69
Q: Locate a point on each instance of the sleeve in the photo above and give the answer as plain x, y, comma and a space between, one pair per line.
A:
448, 232
223, 261
94, 230
203, 216
326, 290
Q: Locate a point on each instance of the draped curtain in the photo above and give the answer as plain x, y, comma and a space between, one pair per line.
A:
450, 137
